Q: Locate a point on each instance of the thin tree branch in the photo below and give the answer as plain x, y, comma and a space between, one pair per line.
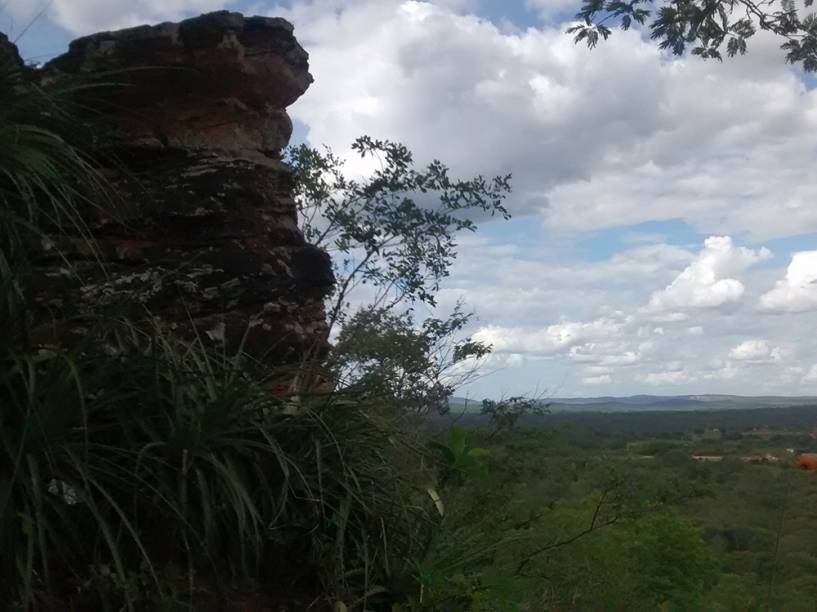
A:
594, 526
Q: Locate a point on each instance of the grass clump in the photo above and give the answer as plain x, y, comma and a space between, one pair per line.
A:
167, 474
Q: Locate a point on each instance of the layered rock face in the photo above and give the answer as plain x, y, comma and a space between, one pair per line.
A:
205, 235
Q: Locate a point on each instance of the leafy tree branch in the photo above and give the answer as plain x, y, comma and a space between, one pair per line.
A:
394, 233
705, 27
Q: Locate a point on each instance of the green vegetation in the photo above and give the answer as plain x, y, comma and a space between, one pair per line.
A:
611, 511
396, 229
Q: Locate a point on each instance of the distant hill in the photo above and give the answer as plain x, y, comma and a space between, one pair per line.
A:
641, 403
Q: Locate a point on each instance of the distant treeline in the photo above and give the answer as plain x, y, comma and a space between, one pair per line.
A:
655, 423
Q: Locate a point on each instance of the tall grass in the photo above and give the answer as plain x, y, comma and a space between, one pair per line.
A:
48, 183
169, 461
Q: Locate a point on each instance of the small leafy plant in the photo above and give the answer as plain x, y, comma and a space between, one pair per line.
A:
458, 460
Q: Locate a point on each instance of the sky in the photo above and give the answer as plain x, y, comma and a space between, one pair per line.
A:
664, 230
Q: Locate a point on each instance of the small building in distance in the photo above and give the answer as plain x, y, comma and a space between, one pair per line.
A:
807, 461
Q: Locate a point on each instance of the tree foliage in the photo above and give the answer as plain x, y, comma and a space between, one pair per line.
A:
394, 230
707, 28
393, 237
386, 354
504, 414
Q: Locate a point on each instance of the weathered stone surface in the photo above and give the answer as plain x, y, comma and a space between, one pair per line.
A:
219, 44
206, 235
220, 80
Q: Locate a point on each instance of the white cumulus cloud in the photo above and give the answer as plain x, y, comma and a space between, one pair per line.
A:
81, 17
548, 340
756, 351
602, 379
666, 377
797, 292
708, 282
594, 139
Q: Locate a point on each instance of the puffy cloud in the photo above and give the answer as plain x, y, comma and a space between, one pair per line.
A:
797, 292
666, 317
666, 377
725, 372
602, 379
82, 17
545, 341
594, 139
596, 370
513, 290
756, 351
514, 284
604, 353
707, 282
626, 358
811, 375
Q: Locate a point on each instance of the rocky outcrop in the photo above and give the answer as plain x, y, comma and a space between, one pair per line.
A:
190, 120
9, 56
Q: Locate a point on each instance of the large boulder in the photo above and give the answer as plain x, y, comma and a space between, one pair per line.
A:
190, 121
